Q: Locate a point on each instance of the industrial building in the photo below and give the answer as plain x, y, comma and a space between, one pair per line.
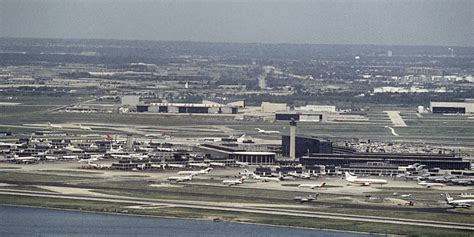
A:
465, 106
382, 163
187, 108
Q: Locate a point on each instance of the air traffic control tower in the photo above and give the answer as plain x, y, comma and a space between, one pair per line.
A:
293, 139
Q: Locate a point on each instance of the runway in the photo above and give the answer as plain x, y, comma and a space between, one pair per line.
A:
233, 207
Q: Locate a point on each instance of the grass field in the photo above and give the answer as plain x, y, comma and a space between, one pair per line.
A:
234, 216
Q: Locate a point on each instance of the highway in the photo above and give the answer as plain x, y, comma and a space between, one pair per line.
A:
234, 207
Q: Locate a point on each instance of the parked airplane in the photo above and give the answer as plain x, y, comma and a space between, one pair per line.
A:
193, 173
265, 179
176, 165
462, 181
202, 165
50, 158
310, 198
95, 166
93, 158
242, 164
55, 126
84, 127
178, 179
458, 203
233, 182
25, 159
365, 182
10, 145
158, 166
429, 185
246, 172
312, 186
217, 164
301, 176
266, 132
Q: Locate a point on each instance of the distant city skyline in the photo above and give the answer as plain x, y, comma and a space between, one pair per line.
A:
384, 22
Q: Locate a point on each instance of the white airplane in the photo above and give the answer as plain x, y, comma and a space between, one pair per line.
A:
233, 182
50, 158
55, 126
84, 127
312, 186
165, 149
301, 176
93, 158
405, 195
180, 178
202, 165
9, 144
176, 165
364, 182
458, 203
266, 132
246, 172
242, 164
310, 198
95, 166
265, 179
193, 173
429, 185
70, 157
157, 166
217, 164
25, 159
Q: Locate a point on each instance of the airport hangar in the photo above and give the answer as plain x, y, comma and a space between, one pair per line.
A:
314, 152
187, 108
465, 106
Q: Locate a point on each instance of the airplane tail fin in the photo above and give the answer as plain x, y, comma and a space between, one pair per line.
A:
448, 197
349, 177
323, 184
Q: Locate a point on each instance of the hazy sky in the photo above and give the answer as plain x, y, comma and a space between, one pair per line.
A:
405, 22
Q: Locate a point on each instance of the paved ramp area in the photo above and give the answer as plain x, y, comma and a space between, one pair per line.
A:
396, 119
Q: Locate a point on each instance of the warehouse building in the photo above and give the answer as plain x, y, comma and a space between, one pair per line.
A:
465, 106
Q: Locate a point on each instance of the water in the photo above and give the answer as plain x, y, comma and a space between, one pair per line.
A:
26, 221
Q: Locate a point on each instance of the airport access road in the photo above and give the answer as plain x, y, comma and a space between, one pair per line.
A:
234, 208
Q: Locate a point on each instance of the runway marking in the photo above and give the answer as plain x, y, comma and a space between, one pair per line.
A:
393, 131
396, 119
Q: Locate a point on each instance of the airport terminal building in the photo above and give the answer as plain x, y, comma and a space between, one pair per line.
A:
240, 155
306, 145
383, 163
